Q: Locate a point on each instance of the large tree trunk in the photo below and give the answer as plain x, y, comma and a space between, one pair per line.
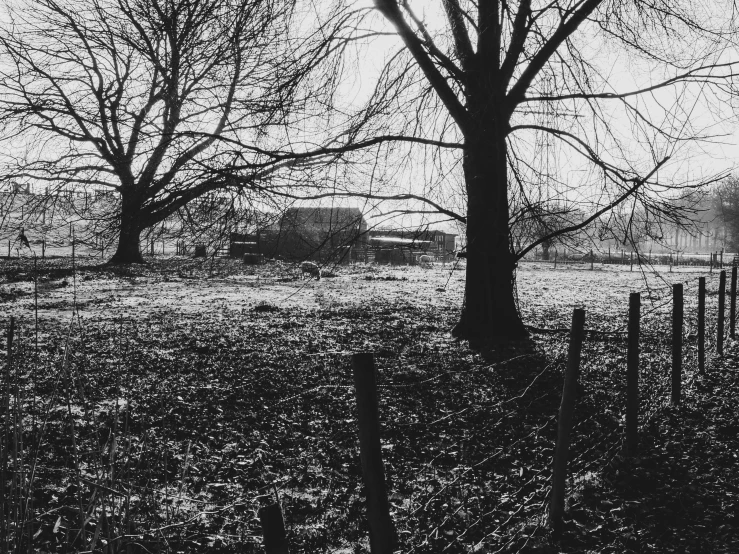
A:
129, 237
489, 313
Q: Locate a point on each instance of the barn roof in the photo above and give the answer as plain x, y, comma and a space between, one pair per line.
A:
302, 216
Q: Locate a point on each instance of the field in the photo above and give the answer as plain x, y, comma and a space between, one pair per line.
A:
156, 408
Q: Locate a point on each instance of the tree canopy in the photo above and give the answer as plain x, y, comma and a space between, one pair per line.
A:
138, 97
525, 107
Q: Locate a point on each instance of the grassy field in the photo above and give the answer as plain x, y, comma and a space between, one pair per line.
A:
156, 408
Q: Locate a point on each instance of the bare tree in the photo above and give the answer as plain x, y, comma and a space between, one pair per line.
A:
518, 97
138, 97
726, 209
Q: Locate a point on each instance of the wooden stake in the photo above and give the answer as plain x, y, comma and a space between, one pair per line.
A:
632, 376
5, 505
564, 424
721, 313
732, 309
701, 324
677, 341
632, 262
382, 533
273, 530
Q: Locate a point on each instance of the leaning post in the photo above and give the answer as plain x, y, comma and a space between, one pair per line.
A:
721, 313
677, 341
382, 533
273, 530
632, 376
564, 424
732, 307
701, 324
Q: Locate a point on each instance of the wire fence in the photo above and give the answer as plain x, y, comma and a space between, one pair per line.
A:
110, 473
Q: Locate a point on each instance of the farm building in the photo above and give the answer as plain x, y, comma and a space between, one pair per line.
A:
341, 235
405, 246
310, 233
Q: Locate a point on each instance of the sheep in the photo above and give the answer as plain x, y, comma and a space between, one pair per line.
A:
426, 261
311, 269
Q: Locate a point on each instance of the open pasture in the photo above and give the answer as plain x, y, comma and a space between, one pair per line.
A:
164, 404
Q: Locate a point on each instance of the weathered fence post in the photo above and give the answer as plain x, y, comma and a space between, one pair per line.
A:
5, 504
43, 248
592, 259
555, 258
632, 262
721, 262
721, 313
382, 532
732, 309
701, 324
632, 376
273, 530
677, 341
564, 424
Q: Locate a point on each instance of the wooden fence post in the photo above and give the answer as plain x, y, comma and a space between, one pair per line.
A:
273, 530
382, 532
592, 259
701, 324
632, 262
632, 376
732, 308
721, 313
5, 504
555, 258
677, 341
564, 424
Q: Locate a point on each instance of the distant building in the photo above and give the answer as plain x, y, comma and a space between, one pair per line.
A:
310, 233
341, 235
404, 246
